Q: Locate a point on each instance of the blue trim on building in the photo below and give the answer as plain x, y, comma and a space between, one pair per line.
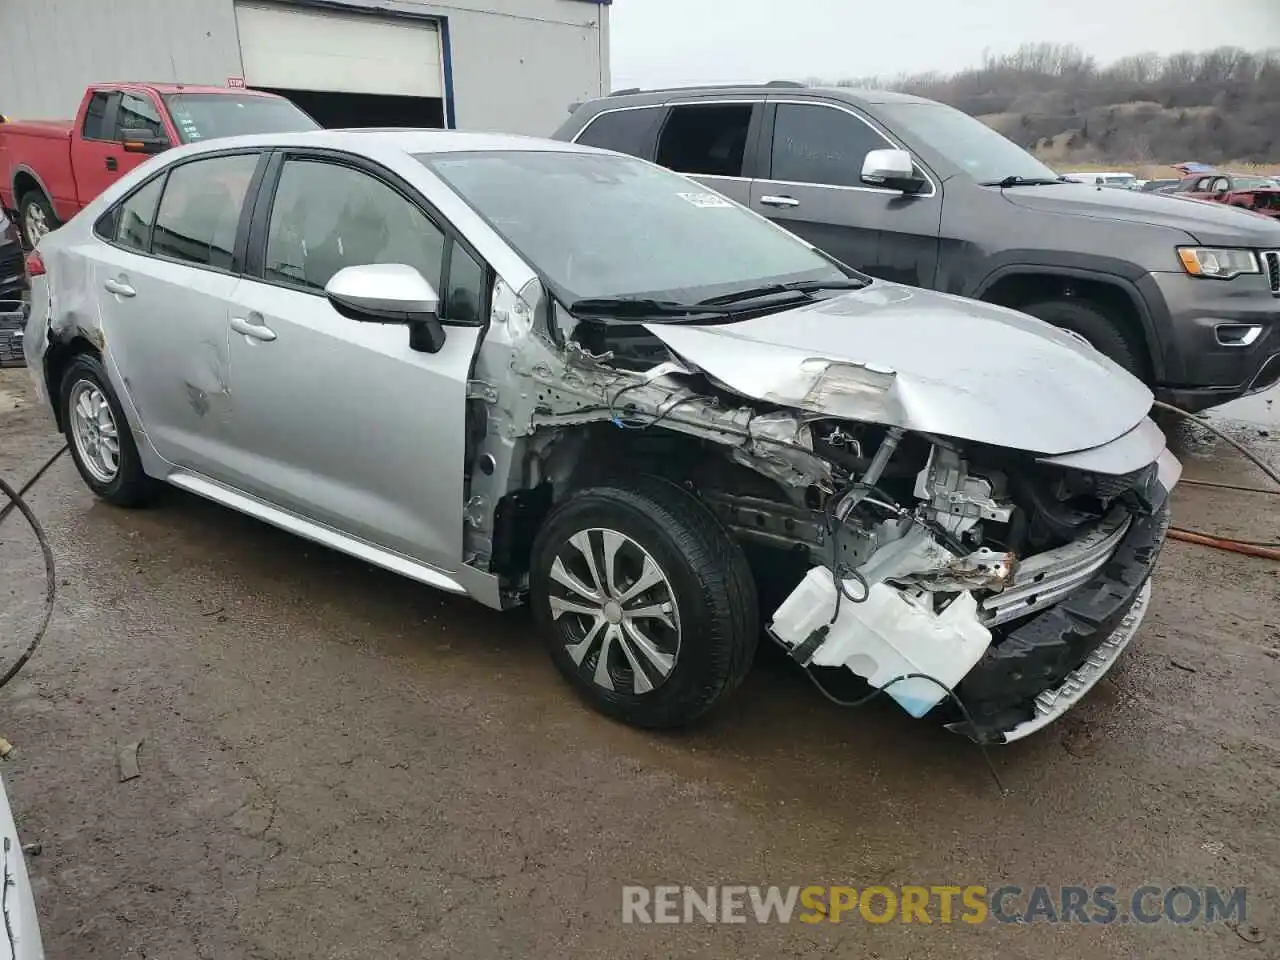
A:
446, 62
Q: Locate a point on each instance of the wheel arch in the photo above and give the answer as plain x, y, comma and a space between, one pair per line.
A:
1018, 284
56, 360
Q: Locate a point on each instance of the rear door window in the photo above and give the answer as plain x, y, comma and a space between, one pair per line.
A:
821, 145
707, 139
130, 225
200, 211
627, 131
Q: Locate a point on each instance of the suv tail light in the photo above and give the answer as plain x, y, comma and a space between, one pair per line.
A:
35, 265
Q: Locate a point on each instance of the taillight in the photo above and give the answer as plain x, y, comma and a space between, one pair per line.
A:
35, 265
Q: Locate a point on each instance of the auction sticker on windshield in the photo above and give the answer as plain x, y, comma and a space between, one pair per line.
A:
705, 200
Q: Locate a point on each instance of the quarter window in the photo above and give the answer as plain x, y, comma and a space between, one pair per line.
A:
95, 117
326, 217
134, 217
822, 145
200, 211
627, 131
706, 139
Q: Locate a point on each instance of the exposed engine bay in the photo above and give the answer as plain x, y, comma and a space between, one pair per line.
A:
878, 548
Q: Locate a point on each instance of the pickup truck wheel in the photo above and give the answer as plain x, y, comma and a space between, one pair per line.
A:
36, 217
647, 605
99, 436
1095, 326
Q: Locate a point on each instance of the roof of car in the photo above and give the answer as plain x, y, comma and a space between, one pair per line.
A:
776, 87
407, 140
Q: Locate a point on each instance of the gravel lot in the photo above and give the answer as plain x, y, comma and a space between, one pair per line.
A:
338, 763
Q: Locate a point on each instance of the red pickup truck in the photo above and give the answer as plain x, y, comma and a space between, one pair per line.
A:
49, 171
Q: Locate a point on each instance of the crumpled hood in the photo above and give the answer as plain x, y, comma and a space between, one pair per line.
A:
1207, 222
926, 361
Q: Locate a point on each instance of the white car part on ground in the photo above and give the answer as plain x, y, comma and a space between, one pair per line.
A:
17, 905
891, 633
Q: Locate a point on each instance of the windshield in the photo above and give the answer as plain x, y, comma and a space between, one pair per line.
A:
203, 116
968, 143
599, 225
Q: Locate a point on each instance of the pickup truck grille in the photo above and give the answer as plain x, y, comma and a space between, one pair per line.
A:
1271, 260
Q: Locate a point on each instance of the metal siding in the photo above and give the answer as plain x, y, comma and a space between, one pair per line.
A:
53, 49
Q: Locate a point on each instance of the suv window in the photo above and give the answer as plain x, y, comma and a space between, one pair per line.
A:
200, 210
137, 113
327, 216
95, 117
707, 139
129, 224
818, 144
627, 131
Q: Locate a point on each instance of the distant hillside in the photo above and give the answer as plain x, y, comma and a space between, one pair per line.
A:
1217, 106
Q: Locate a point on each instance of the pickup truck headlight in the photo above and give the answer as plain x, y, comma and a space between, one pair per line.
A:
1217, 263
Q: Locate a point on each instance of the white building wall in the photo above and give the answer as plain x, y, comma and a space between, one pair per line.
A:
516, 64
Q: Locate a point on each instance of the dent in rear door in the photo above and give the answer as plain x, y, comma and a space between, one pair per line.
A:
811, 183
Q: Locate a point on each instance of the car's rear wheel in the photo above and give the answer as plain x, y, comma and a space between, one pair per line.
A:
1089, 322
36, 217
648, 606
99, 436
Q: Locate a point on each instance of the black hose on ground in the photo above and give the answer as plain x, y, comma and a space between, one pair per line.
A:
50, 570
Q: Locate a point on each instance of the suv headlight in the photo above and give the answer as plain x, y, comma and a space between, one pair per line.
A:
1217, 263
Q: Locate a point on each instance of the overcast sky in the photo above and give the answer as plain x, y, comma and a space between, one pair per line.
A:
678, 42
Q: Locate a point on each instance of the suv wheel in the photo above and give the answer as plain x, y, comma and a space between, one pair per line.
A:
1095, 326
99, 436
648, 606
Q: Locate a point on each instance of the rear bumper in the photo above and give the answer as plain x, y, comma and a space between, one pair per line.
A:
1046, 663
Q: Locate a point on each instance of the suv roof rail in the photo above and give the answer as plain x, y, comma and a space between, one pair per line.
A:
625, 93
789, 84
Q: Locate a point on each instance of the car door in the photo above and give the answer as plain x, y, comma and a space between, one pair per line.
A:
164, 279
337, 420
714, 142
813, 186
95, 159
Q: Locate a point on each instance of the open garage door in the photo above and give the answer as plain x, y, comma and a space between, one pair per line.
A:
345, 69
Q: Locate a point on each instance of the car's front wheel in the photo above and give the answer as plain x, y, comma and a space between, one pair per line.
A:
99, 436
648, 606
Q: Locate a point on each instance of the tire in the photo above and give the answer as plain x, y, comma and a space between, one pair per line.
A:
85, 385
34, 208
712, 626
1101, 331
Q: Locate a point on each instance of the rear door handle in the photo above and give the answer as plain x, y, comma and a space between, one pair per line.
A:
780, 201
258, 331
112, 163
120, 288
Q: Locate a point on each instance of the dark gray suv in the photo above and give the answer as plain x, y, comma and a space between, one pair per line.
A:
1185, 294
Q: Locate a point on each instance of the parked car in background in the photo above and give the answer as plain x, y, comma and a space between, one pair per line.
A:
50, 170
618, 397
1182, 295
21, 922
13, 276
1259, 194
1158, 185
1122, 181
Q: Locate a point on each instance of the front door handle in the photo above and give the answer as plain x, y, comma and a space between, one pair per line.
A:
120, 288
112, 163
258, 331
780, 201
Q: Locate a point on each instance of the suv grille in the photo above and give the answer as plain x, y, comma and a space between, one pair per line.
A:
1271, 259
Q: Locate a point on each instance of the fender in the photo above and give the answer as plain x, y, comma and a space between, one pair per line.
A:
1107, 274
13, 188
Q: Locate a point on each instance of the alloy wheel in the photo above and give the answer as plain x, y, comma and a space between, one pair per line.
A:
37, 223
616, 611
94, 430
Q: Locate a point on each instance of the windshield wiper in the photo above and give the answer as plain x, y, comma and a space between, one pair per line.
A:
623, 307
772, 289
1008, 182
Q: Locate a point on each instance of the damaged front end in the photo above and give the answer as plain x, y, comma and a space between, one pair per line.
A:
944, 570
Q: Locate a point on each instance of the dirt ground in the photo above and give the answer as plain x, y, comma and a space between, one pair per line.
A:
339, 763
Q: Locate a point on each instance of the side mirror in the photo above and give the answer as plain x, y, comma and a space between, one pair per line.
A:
389, 293
892, 169
141, 140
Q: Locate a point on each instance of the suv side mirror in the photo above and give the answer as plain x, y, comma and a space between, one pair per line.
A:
892, 169
141, 140
389, 293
